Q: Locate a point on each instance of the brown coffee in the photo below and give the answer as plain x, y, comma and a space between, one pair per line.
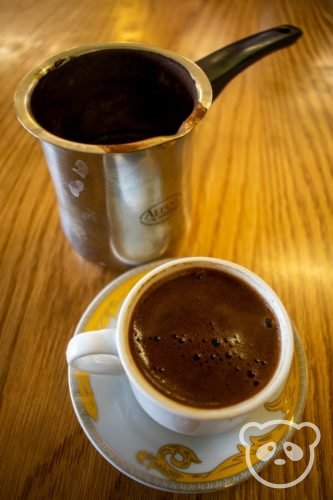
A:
204, 338
114, 96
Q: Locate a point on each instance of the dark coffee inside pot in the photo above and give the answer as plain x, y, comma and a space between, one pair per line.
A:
114, 97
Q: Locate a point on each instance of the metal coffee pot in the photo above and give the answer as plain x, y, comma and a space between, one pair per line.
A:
115, 122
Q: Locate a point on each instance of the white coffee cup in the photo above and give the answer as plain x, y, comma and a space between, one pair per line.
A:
108, 352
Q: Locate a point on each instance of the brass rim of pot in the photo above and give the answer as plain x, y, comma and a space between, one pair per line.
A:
29, 83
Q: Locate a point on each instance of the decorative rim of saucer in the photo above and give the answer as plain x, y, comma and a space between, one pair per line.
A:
79, 382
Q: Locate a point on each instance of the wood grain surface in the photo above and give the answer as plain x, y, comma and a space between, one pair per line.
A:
262, 188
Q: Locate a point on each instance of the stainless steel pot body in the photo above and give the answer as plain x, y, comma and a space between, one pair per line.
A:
120, 204
123, 209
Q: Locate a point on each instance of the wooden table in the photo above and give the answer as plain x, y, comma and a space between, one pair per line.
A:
262, 197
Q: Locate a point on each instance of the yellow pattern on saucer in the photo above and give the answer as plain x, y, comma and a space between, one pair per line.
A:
100, 318
86, 394
164, 460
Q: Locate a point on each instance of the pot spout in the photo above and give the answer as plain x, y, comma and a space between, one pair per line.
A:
224, 64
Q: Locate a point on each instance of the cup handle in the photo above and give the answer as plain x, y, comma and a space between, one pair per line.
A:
95, 352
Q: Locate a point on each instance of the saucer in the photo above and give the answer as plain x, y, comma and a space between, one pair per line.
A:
147, 452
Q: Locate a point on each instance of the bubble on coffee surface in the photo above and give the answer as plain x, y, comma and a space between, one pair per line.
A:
138, 342
137, 337
158, 369
268, 322
262, 362
137, 332
216, 342
234, 339
200, 274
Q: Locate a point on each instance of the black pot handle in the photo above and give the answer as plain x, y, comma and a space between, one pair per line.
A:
224, 64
